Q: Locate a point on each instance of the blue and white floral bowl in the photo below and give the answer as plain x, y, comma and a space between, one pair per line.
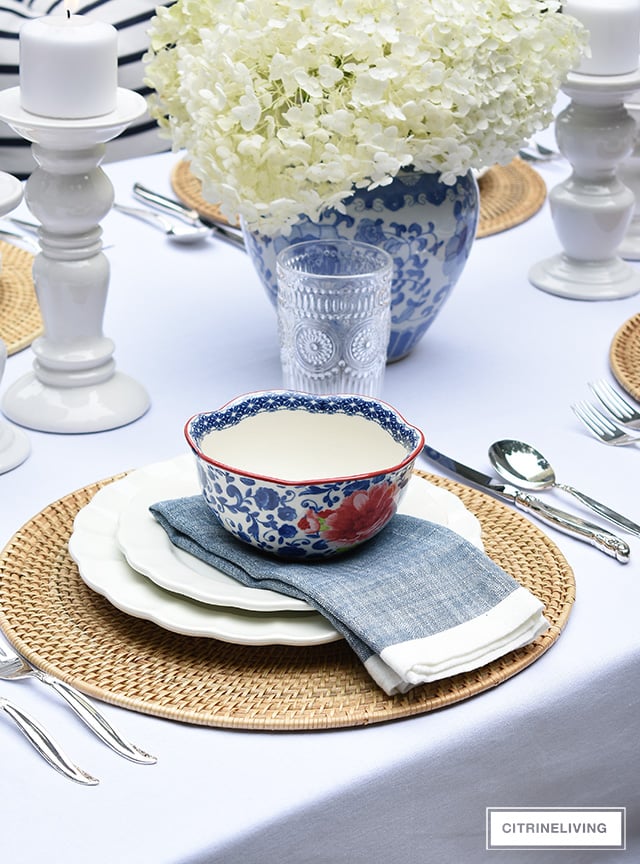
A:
303, 476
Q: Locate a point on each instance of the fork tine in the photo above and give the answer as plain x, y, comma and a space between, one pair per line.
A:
593, 419
578, 409
613, 401
601, 426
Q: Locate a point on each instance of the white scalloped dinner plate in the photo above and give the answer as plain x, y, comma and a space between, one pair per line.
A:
115, 541
148, 549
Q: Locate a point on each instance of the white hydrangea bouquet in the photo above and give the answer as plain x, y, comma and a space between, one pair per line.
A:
285, 106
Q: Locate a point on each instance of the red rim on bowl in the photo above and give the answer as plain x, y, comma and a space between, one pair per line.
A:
311, 480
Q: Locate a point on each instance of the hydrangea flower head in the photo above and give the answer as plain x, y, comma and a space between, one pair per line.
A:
285, 106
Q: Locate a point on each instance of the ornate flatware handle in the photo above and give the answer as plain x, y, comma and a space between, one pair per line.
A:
602, 539
45, 745
97, 722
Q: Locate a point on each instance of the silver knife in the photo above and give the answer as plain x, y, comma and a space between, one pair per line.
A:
45, 745
228, 233
576, 527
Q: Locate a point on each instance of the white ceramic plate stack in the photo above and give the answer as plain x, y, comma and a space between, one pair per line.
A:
123, 554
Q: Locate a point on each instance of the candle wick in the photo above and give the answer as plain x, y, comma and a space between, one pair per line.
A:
68, 13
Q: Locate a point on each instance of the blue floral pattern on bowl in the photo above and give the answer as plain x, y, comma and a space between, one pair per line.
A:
308, 519
427, 227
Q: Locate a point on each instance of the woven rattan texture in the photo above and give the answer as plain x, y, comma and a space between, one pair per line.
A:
624, 356
20, 320
50, 615
509, 194
189, 190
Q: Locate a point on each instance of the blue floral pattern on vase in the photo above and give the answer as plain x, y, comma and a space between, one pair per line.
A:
427, 227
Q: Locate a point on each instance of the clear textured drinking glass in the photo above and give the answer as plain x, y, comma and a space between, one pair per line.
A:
334, 299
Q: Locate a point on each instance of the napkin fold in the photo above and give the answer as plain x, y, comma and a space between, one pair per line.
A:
416, 603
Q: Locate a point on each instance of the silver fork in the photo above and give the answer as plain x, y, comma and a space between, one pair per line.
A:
605, 429
616, 404
15, 667
19, 239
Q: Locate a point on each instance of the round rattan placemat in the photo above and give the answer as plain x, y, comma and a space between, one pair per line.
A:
509, 194
60, 624
624, 356
20, 320
189, 190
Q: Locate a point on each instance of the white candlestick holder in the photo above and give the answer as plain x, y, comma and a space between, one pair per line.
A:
14, 444
629, 173
74, 385
592, 208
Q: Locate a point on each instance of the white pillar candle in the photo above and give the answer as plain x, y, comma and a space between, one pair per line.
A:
614, 34
68, 67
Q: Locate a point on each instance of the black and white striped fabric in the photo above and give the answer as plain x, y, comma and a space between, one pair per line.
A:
131, 19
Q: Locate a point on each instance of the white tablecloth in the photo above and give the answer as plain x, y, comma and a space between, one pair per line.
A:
502, 360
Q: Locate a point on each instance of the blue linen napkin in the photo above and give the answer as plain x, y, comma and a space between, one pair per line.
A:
416, 603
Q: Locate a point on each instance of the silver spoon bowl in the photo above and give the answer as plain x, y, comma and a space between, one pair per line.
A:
524, 466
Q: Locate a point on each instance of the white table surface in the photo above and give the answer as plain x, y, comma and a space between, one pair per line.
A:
502, 360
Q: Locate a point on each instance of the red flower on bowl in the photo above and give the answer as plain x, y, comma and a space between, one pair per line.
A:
359, 517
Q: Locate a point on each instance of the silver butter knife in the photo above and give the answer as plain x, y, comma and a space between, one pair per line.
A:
228, 233
15, 667
576, 527
45, 745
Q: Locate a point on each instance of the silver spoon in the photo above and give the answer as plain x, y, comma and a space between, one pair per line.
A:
175, 229
532, 151
229, 233
524, 466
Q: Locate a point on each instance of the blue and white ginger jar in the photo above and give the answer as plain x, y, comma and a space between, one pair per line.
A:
426, 226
